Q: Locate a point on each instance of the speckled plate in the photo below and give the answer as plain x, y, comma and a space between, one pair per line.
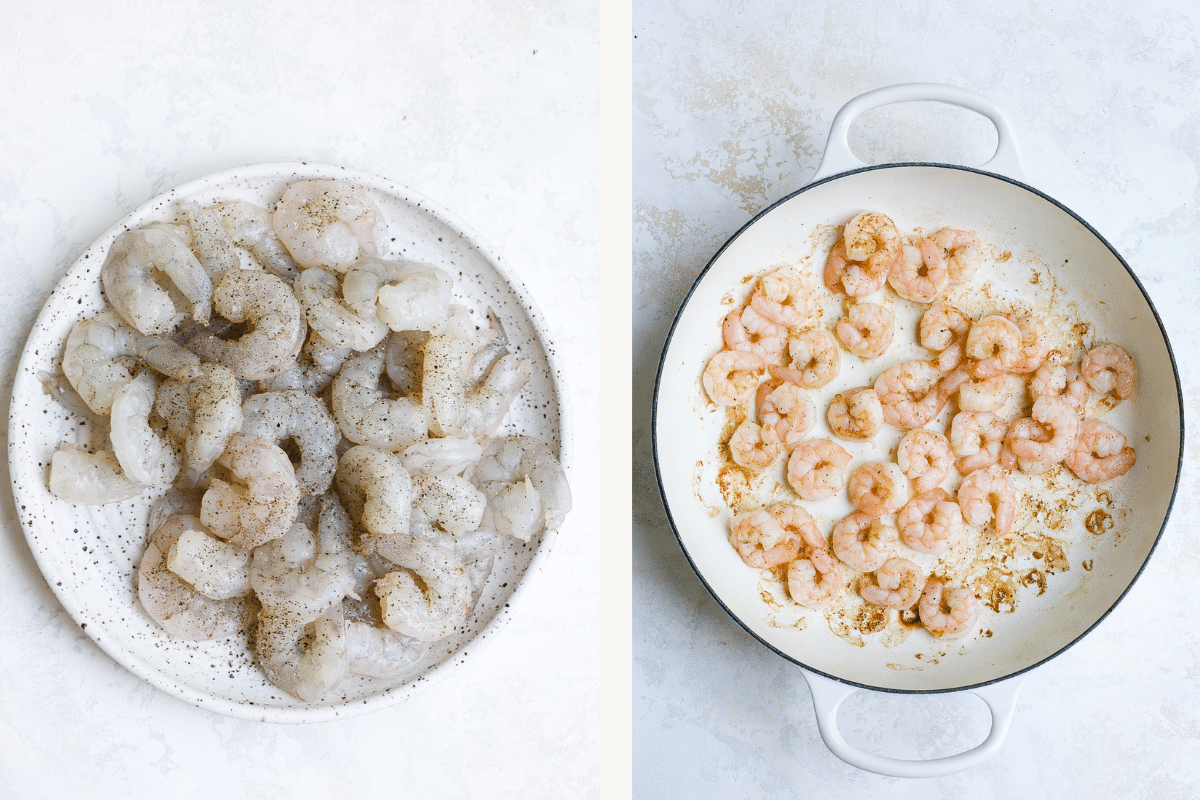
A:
89, 554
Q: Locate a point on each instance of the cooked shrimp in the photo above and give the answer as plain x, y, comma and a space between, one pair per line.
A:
319, 362
947, 612
249, 226
863, 542
913, 393
762, 541
211, 241
855, 414
77, 476
1109, 369
746, 329
203, 413
898, 584
1058, 417
529, 461
1053, 380
277, 329
787, 409
856, 278
815, 469
376, 490
878, 488
305, 659
432, 608
264, 502
961, 251
1026, 429
451, 502
815, 360
782, 299
366, 416
984, 394
216, 569
96, 359
816, 581
943, 330
988, 494
304, 420
175, 604
732, 376
754, 446
146, 455
976, 437
867, 330
925, 457
915, 278
931, 522
129, 275
869, 233
329, 316
405, 295
996, 345
327, 223
1035, 343
1100, 452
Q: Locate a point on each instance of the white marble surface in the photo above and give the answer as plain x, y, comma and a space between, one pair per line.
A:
487, 108
732, 104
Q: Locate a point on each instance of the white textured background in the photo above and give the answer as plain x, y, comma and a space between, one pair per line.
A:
732, 103
488, 108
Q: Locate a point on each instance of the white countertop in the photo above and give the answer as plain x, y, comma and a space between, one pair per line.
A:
732, 104
490, 111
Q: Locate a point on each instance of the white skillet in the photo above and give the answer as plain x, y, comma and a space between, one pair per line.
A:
1041, 234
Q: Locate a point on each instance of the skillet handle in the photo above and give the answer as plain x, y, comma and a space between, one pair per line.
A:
838, 158
828, 695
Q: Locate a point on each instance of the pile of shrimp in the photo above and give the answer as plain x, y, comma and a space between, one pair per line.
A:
320, 423
775, 351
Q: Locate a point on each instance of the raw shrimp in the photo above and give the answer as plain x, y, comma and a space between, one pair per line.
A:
898, 584
381, 652
328, 223
816, 581
960, 250
988, 494
176, 605
913, 393
863, 542
249, 226
1026, 429
210, 240
943, 330
976, 437
995, 343
404, 360
264, 502
1053, 380
815, 469
947, 612
746, 329
525, 460
931, 522
787, 409
366, 416
1109, 369
816, 360
449, 455
302, 418
984, 394
203, 413
307, 659
98, 353
320, 360
755, 446
329, 316
77, 476
218, 570
1100, 452
867, 330
453, 503
878, 487
428, 610
128, 278
1058, 417
762, 540
145, 454
1035, 343
277, 329
915, 278
487, 406
304, 575
855, 414
405, 295
376, 489
451, 410
925, 457
732, 376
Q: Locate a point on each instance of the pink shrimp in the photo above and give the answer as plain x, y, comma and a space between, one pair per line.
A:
732, 376
947, 612
1109, 369
746, 329
815, 469
988, 494
925, 457
915, 277
878, 488
816, 581
867, 330
931, 522
1100, 453
787, 409
976, 438
898, 584
864, 542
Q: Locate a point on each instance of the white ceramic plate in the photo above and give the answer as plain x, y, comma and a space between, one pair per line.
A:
88, 554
